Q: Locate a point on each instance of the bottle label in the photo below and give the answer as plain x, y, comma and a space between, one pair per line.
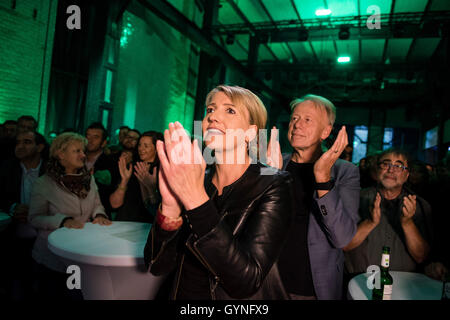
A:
385, 260
387, 292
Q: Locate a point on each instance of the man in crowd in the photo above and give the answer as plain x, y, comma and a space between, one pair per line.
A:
123, 131
17, 177
96, 136
129, 151
26, 123
327, 193
8, 141
18, 174
390, 215
99, 163
11, 128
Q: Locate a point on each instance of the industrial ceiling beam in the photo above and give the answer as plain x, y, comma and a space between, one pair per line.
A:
402, 25
414, 42
408, 18
397, 31
330, 67
249, 25
165, 11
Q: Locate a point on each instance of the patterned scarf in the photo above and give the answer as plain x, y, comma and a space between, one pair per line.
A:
79, 183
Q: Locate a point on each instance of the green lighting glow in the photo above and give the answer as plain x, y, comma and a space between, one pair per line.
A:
127, 31
323, 12
343, 59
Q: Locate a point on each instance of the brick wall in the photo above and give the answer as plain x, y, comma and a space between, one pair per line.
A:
26, 42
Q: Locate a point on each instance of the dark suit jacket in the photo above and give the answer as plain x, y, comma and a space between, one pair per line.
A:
332, 225
10, 182
105, 162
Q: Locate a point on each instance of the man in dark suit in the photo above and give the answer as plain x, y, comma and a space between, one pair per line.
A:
8, 140
100, 164
327, 193
17, 176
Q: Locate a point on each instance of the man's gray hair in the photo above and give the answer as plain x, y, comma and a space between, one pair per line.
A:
319, 102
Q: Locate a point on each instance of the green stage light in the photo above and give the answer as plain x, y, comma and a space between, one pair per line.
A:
323, 12
343, 59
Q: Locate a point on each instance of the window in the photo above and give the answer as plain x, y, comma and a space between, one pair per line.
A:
108, 85
431, 138
105, 118
387, 138
359, 143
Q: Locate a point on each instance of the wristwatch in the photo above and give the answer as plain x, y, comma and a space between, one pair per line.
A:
324, 185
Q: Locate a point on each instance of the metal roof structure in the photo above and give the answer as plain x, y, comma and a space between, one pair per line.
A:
287, 49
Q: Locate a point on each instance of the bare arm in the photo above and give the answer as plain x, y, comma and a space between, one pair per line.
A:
366, 227
116, 198
416, 244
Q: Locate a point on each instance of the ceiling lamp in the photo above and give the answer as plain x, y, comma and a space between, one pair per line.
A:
344, 33
323, 12
343, 59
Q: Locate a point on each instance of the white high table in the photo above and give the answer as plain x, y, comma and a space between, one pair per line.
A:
406, 286
5, 219
111, 260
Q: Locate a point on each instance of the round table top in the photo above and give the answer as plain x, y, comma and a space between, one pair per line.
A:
406, 286
5, 219
120, 244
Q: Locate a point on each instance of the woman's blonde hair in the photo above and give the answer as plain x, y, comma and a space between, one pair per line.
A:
243, 98
61, 142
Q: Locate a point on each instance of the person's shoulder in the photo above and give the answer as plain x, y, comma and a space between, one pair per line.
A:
342, 164
45, 178
271, 174
368, 192
424, 204
344, 170
42, 183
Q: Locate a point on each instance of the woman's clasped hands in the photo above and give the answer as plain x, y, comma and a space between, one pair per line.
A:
182, 171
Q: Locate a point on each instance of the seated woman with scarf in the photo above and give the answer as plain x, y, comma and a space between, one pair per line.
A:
66, 196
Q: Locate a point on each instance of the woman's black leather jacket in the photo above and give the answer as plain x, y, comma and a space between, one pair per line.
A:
242, 250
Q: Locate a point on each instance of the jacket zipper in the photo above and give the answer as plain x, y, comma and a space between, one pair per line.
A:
160, 250
203, 261
178, 278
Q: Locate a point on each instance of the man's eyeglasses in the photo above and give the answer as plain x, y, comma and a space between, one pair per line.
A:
395, 167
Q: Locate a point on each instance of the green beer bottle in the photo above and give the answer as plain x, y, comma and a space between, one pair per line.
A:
385, 290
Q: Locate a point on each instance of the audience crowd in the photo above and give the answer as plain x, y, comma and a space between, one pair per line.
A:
324, 219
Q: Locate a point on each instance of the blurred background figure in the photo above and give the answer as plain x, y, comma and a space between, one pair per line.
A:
8, 141
347, 153
368, 171
17, 177
123, 131
136, 197
26, 123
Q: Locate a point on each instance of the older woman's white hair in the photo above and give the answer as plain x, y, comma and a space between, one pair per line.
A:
61, 142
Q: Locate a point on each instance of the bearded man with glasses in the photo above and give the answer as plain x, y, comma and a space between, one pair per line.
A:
391, 215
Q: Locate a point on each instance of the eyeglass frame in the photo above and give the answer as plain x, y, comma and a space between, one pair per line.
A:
395, 167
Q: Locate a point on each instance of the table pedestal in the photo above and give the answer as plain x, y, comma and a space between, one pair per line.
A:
117, 283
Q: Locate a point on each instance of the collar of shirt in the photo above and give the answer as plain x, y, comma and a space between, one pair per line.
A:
26, 171
90, 164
